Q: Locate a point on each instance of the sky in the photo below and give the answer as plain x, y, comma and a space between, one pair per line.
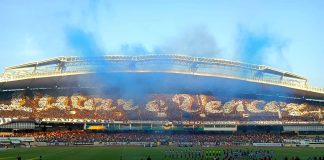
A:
286, 34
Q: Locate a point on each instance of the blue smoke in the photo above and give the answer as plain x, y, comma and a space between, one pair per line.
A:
134, 49
193, 41
82, 42
124, 85
260, 47
257, 46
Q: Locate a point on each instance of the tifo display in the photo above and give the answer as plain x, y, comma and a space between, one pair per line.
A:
173, 107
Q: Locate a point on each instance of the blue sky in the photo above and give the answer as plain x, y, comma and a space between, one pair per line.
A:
288, 34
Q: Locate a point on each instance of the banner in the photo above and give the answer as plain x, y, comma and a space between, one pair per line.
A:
22, 139
96, 127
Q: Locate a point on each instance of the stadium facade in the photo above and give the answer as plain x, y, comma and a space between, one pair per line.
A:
157, 92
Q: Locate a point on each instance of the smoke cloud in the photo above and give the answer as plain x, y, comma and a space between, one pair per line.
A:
133, 49
258, 47
83, 36
261, 47
196, 41
83, 42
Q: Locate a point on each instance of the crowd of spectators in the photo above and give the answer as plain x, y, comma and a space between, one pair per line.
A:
85, 136
230, 139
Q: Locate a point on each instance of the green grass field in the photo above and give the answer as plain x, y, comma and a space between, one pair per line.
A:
127, 153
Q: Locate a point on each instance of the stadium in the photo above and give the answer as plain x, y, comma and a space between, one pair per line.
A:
181, 107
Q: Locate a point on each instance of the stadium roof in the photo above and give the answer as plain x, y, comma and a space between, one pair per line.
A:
38, 63
64, 59
76, 72
271, 70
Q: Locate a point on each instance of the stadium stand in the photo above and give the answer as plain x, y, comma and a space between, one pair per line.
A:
160, 100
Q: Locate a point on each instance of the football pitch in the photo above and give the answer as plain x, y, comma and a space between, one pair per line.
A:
131, 153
